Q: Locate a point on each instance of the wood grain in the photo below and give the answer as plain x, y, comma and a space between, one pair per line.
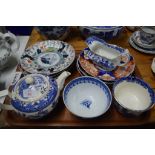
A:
61, 117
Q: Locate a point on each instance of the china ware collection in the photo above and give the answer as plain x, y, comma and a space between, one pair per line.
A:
100, 64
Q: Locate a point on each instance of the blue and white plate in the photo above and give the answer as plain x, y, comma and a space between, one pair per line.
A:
48, 57
87, 97
140, 49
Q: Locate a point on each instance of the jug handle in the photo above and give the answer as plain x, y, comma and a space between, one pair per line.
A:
13, 38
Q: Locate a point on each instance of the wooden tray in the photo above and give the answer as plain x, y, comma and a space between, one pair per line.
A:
61, 117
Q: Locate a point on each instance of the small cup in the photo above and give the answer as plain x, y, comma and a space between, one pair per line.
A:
147, 34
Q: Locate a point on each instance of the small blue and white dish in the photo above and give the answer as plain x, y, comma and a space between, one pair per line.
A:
87, 97
133, 96
139, 48
104, 32
54, 32
147, 34
137, 40
34, 95
106, 55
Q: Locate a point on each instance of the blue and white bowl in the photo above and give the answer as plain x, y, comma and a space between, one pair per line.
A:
104, 32
133, 96
54, 32
87, 97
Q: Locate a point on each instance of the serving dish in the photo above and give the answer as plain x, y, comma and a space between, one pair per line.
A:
105, 32
133, 96
87, 97
107, 56
109, 76
48, 57
34, 95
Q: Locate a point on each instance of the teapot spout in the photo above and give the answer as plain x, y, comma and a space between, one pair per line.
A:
61, 79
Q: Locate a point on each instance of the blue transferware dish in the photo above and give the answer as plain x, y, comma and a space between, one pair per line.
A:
133, 96
54, 32
138, 48
106, 55
147, 34
34, 95
104, 32
138, 41
87, 97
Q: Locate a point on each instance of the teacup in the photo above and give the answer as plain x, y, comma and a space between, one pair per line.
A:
147, 34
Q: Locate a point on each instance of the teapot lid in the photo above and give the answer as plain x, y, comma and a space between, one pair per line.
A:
34, 92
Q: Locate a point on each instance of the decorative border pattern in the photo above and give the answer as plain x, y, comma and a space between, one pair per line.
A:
91, 80
28, 59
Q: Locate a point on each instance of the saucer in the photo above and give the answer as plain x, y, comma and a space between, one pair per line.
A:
146, 51
108, 76
48, 57
137, 40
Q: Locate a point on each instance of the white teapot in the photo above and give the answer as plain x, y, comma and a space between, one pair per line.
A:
8, 44
34, 95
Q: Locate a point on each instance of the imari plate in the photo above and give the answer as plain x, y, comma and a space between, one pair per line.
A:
48, 57
122, 71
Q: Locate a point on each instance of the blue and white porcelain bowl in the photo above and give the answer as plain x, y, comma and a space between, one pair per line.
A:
34, 95
133, 96
104, 32
87, 97
54, 32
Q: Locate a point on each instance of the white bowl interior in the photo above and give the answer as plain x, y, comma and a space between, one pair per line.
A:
132, 96
87, 100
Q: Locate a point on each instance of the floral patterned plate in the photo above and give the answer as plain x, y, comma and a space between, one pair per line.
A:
93, 70
48, 57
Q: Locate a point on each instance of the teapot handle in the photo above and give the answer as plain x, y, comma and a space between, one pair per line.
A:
12, 39
4, 93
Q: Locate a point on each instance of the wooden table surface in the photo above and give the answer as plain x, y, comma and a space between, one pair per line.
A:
61, 117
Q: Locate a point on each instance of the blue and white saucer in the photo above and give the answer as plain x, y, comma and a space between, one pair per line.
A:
138, 48
48, 57
137, 40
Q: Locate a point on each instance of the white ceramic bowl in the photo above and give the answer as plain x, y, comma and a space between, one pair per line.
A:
133, 95
87, 97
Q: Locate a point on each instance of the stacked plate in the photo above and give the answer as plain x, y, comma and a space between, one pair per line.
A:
136, 42
48, 57
87, 67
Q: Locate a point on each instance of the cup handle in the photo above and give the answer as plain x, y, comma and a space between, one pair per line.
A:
4, 93
12, 39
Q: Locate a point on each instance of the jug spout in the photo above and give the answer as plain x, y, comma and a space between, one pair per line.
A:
61, 79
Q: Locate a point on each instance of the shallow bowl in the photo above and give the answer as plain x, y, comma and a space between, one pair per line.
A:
133, 96
87, 97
